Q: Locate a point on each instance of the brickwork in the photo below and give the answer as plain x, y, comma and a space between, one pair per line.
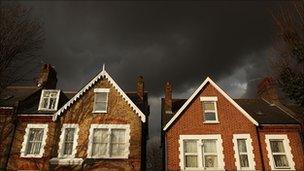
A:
231, 121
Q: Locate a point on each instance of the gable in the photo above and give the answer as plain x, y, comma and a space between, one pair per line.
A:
105, 75
194, 95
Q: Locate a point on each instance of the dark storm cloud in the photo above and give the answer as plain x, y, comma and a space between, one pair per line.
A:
178, 41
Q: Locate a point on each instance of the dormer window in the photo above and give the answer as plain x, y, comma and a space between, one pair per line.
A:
101, 100
49, 100
209, 109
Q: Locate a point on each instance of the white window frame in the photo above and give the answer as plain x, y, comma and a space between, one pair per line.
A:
210, 99
220, 155
25, 140
249, 153
62, 138
101, 90
41, 98
287, 148
109, 127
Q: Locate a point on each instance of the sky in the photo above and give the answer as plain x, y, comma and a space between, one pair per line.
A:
178, 41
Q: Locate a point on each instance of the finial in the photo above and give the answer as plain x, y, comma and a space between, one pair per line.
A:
103, 67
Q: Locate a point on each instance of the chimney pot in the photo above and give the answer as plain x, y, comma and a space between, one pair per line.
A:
168, 97
47, 77
140, 87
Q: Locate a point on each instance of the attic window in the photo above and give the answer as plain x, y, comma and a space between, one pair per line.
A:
101, 100
209, 109
49, 100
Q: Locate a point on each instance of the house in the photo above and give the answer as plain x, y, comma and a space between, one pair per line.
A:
100, 127
212, 131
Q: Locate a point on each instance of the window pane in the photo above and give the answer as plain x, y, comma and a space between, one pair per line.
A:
36, 134
69, 134
209, 106
52, 103
101, 96
277, 146
45, 103
101, 106
210, 161
210, 116
100, 135
118, 136
242, 145
280, 161
53, 94
191, 161
190, 146
117, 149
244, 160
68, 148
99, 149
209, 146
46, 94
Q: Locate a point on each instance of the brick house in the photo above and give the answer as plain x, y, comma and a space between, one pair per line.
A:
211, 131
100, 127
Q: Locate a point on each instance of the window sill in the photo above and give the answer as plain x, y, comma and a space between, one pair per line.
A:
100, 112
211, 122
107, 157
66, 161
31, 156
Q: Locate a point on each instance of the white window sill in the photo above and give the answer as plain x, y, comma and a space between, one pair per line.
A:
197, 168
66, 161
211, 122
283, 168
97, 112
31, 156
108, 157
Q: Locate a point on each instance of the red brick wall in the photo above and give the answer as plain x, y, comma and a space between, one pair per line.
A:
232, 121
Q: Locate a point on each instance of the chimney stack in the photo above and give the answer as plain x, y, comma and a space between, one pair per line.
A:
267, 89
47, 77
168, 97
140, 87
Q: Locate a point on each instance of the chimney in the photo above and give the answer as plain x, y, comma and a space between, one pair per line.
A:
267, 89
168, 98
140, 87
47, 77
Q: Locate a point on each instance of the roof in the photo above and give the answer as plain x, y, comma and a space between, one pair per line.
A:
192, 97
264, 112
12, 94
102, 74
176, 104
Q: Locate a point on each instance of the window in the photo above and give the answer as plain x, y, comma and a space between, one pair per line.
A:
279, 152
34, 140
209, 109
201, 152
68, 141
243, 152
49, 100
109, 141
101, 100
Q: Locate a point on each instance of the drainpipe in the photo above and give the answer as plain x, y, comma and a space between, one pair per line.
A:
260, 148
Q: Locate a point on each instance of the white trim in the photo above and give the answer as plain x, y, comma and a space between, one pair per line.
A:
104, 74
25, 141
249, 148
208, 98
208, 80
101, 90
68, 161
287, 148
3, 107
98, 90
110, 126
41, 97
220, 153
62, 138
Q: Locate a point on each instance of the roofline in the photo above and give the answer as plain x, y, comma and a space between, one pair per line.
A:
103, 73
208, 80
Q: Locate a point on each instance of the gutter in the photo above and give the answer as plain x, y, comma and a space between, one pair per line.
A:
260, 148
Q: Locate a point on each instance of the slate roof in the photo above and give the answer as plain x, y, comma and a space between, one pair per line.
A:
176, 104
12, 94
259, 109
265, 113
